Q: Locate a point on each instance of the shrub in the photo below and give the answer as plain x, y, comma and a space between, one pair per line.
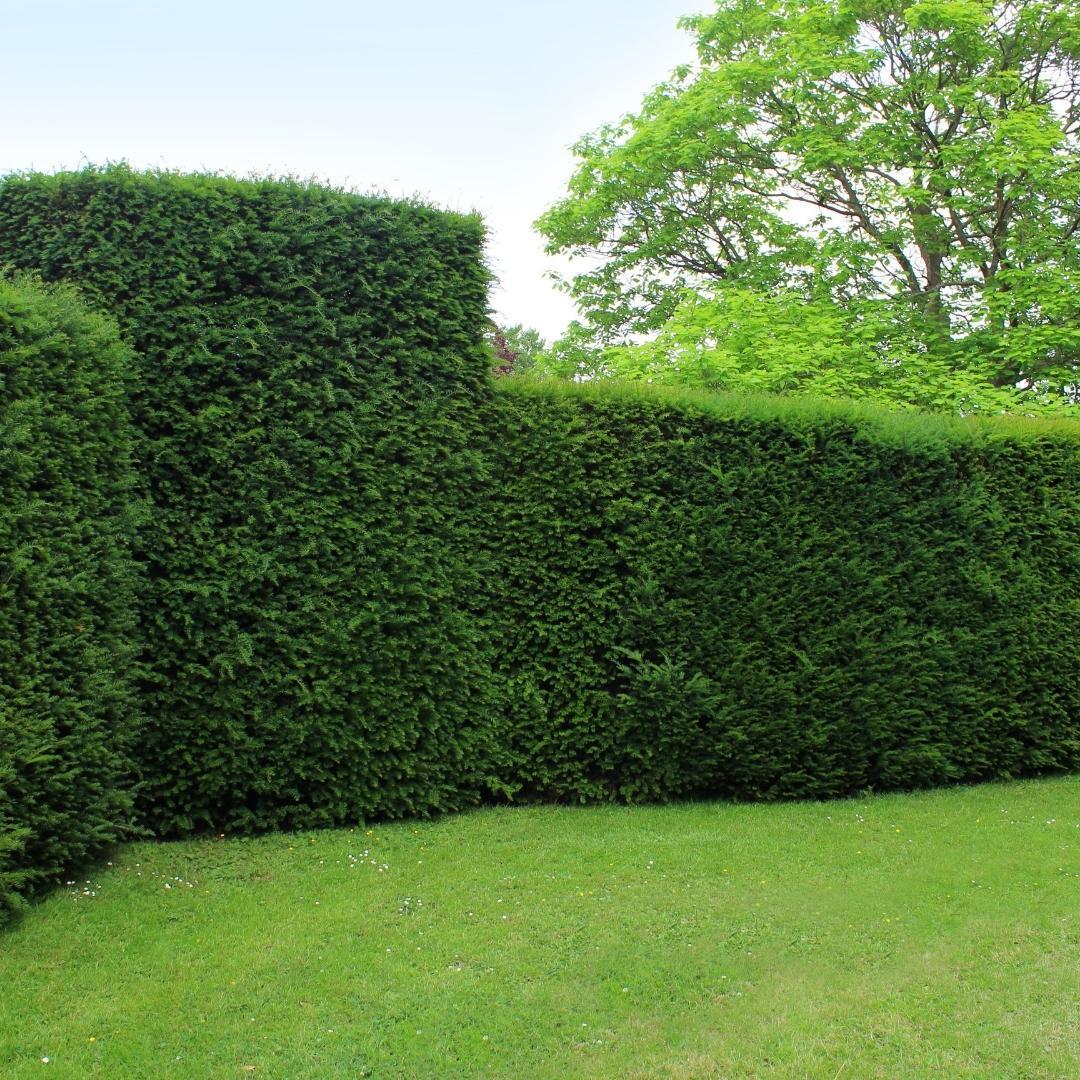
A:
309, 653
778, 599
66, 587
377, 586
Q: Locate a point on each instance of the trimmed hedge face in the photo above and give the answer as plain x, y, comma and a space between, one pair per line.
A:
66, 588
715, 597
307, 657
376, 586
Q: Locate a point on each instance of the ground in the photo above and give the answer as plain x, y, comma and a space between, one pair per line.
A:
929, 935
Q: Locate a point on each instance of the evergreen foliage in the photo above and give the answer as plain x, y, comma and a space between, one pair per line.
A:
66, 587
307, 657
755, 598
378, 586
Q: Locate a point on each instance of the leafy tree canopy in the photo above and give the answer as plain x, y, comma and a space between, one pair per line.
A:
869, 198
518, 349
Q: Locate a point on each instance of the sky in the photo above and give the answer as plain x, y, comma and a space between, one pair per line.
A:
471, 105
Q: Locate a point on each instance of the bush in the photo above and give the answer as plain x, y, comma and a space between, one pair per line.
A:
309, 651
377, 586
778, 599
66, 587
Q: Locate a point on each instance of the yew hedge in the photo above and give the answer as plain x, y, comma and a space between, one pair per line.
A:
305, 655
376, 584
699, 595
67, 585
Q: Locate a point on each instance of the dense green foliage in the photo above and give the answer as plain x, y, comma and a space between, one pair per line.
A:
66, 587
306, 654
378, 586
857, 198
760, 599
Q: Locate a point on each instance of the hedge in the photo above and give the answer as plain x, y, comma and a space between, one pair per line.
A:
377, 585
719, 596
66, 587
308, 650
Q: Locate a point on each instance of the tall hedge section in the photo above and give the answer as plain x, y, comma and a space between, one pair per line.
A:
309, 654
379, 585
67, 716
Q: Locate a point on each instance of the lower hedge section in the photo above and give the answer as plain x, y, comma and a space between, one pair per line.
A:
712, 596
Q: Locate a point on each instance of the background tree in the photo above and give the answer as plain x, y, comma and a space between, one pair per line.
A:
863, 197
517, 348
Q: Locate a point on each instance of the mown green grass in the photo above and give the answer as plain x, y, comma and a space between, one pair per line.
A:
930, 935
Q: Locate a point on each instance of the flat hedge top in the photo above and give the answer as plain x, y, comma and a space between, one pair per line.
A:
183, 261
909, 428
215, 187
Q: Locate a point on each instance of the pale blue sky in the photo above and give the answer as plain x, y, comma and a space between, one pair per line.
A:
471, 104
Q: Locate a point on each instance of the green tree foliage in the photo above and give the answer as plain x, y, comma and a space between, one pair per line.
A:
869, 198
527, 346
67, 715
518, 349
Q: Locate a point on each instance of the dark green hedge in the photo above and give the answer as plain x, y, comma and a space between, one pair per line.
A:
66, 587
378, 586
307, 658
713, 596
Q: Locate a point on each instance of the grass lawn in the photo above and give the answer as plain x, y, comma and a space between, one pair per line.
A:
930, 935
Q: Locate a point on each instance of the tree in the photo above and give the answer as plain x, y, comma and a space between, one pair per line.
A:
517, 349
876, 198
